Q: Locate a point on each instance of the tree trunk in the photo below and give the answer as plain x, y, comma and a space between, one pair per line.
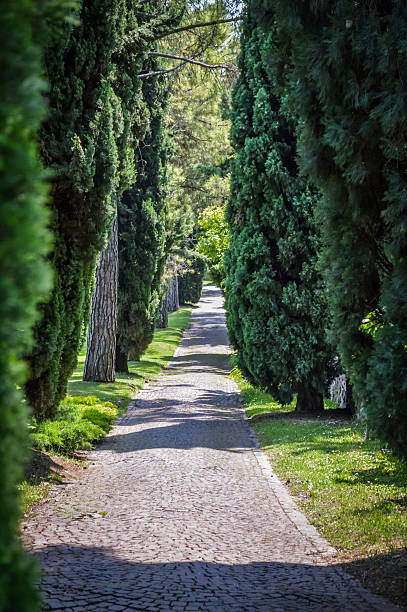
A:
309, 400
101, 351
350, 402
162, 319
172, 293
121, 361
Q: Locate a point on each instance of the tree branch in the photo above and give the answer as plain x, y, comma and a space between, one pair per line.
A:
190, 60
200, 25
158, 72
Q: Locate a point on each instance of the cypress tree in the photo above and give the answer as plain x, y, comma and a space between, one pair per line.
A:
24, 275
344, 72
97, 116
276, 311
142, 229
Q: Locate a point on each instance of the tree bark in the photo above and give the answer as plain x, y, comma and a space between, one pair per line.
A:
162, 320
309, 400
350, 402
172, 293
101, 350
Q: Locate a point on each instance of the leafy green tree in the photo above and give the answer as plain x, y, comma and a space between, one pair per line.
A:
342, 66
24, 275
97, 116
213, 240
142, 229
276, 310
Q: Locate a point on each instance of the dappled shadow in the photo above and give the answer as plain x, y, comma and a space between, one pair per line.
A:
384, 474
206, 422
330, 414
95, 578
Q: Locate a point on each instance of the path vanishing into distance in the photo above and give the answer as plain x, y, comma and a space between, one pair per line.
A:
179, 511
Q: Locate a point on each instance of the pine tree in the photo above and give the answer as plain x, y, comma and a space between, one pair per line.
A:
24, 275
344, 69
276, 310
142, 213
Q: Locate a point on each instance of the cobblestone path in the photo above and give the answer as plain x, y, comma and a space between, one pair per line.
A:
179, 512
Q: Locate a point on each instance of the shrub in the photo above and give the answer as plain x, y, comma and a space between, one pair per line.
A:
80, 422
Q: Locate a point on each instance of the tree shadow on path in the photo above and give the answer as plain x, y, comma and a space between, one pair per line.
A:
95, 579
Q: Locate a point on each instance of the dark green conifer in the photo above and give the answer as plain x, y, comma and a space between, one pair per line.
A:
142, 229
24, 275
344, 70
276, 310
96, 118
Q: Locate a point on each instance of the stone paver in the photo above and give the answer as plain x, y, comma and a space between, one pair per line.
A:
179, 511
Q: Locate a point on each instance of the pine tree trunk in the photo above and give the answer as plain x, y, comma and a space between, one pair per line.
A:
101, 351
309, 400
121, 360
172, 294
162, 320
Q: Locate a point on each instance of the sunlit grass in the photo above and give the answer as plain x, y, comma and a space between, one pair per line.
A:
156, 357
352, 490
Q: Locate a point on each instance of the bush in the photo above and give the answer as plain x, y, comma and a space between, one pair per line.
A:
80, 422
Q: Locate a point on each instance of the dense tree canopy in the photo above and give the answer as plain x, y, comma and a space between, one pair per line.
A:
342, 66
96, 118
276, 309
142, 228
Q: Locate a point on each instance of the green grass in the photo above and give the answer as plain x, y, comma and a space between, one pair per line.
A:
85, 417
156, 357
257, 401
32, 492
351, 489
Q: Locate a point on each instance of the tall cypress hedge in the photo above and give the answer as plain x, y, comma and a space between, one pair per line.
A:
24, 275
96, 118
142, 229
276, 307
344, 73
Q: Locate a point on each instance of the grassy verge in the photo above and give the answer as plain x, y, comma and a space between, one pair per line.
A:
156, 357
352, 490
90, 410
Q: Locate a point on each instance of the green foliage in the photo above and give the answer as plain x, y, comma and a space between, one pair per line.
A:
213, 240
190, 279
24, 275
341, 66
276, 308
97, 116
79, 422
142, 229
